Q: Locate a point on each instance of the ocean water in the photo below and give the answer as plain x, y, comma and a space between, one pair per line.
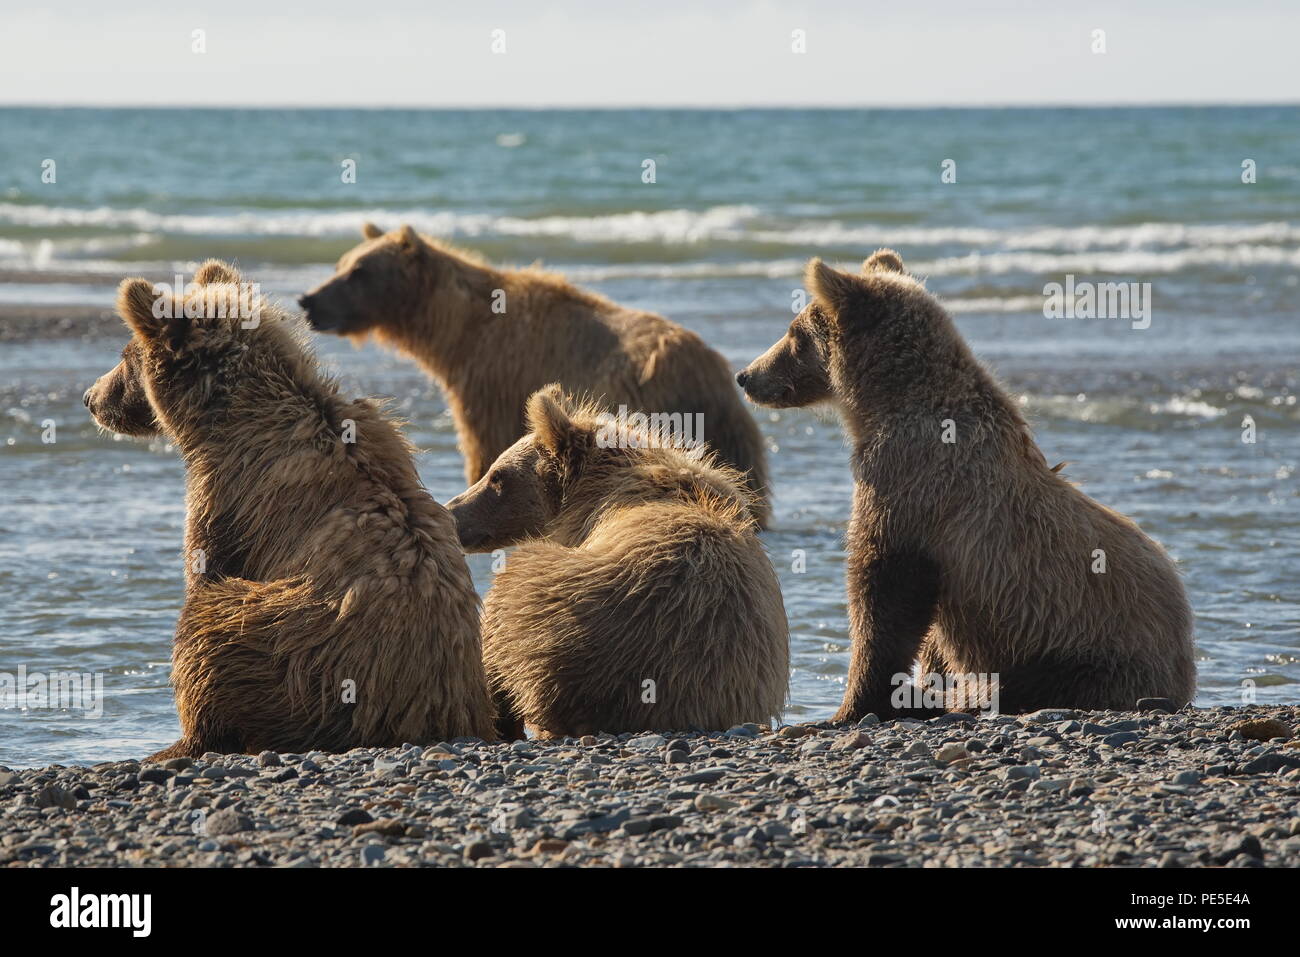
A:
1151, 413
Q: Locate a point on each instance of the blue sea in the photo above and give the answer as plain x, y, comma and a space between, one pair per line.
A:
990, 206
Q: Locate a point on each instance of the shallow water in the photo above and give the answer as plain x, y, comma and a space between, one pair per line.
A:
1150, 420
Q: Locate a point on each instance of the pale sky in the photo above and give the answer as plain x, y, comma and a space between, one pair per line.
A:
648, 53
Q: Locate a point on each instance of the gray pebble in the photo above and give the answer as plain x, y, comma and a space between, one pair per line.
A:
227, 822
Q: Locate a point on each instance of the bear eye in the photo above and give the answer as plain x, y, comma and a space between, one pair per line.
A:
494, 479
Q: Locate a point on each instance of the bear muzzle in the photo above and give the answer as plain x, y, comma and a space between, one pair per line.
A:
317, 318
763, 390
470, 538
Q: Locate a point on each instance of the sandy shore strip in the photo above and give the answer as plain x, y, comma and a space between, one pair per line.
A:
29, 322
1054, 789
35, 323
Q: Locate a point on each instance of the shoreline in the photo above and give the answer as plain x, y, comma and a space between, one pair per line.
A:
37, 322
1058, 788
22, 323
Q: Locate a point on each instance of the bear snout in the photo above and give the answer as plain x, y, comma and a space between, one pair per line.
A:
469, 540
85, 397
319, 319
763, 390
456, 508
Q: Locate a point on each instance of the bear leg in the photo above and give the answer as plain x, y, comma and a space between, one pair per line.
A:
509, 723
181, 749
892, 599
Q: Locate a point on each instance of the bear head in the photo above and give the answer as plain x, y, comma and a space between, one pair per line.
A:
190, 352
576, 461
377, 282
118, 402
851, 320
524, 490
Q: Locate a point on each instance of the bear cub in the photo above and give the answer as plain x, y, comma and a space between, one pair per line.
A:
964, 547
640, 597
327, 601
492, 336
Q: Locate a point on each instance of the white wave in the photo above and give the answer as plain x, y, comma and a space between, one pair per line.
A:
1001, 304
674, 226
758, 269
1078, 408
1192, 408
1138, 252
743, 225
260, 223
1134, 262
47, 253
1047, 238
1147, 235
836, 234
739, 224
1082, 408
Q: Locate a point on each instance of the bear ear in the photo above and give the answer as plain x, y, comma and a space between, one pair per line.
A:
549, 419
884, 260
371, 231
135, 304
408, 237
151, 315
214, 270
835, 290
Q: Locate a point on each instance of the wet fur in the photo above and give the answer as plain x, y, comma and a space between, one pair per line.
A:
638, 564
434, 303
973, 554
325, 561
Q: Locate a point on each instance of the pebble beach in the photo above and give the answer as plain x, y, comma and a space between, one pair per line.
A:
1057, 788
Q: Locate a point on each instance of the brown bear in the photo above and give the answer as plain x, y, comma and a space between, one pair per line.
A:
641, 597
491, 337
963, 545
327, 603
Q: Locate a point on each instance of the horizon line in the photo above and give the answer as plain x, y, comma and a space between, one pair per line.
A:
719, 107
